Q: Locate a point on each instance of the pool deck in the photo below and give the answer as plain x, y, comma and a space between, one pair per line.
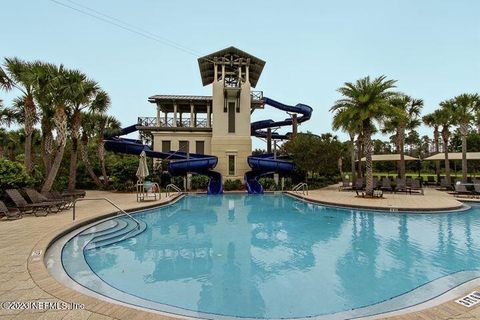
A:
24, 277
432, 200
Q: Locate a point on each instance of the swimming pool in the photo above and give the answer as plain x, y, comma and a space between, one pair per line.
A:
272, 256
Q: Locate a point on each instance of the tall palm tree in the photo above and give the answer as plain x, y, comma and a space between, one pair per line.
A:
21, 75
342, 120
62, 87
96, 126
88, 131
464, 108
406, 116
83, 94
445, 118
432, 121
46, 73
366, 101
104, 125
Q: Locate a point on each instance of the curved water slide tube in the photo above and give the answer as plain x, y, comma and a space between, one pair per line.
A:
266, 164
181, 163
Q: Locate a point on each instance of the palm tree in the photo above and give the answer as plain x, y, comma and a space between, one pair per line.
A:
62, 89
432, 121
367, 102
21, 75
445, 118
96, 126
104, 125
46, 74
88, 130
464, 108
342, 120
406, 116
83, 94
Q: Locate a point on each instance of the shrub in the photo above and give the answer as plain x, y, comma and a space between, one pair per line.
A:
199, 182
269, 184
13, 175
230, 185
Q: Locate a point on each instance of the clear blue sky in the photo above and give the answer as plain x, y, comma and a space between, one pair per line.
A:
432, 47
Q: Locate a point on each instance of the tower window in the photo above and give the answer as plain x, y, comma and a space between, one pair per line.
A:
166, 145
200, 147
231, 165
231, 117
183, 146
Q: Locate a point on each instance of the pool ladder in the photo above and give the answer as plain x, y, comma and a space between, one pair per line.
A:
109, 201
171, 186
301, 186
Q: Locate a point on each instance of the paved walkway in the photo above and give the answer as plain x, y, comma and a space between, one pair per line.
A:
18, 239
431, 200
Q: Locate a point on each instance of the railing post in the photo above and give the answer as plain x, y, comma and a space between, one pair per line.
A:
74, 203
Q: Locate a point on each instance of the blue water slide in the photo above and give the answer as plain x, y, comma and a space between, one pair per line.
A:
266, 164
181, 163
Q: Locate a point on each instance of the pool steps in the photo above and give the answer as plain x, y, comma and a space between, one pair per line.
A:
124, 229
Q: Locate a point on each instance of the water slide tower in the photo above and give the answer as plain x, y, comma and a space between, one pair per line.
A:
232, 73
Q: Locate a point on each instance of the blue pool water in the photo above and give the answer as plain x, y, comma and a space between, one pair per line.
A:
273, 256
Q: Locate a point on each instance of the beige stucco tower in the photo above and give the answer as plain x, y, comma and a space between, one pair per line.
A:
232, 73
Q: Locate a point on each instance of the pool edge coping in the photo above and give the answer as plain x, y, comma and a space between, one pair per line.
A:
452, 209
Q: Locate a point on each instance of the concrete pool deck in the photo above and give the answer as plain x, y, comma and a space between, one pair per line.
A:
24, 277
432, 200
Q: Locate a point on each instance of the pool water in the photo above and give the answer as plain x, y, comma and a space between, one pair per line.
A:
273, 256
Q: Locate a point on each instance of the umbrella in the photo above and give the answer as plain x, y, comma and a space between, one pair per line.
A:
142, 171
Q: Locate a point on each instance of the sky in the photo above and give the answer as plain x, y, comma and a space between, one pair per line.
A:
311, 48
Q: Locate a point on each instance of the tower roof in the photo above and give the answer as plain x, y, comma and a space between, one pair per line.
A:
206, 64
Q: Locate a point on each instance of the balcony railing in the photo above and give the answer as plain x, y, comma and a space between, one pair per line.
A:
256, 95
169, 122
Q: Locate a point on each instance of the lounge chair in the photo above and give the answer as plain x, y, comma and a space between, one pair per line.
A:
359, 184
10, 213
386, 184
37, 197
345, 185
476, 186
461, 190
26, 207
376, 183
431, 180
417, 186
444, 185
400, 185
76, 194
57, 196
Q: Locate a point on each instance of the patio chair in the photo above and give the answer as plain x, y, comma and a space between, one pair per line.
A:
57, 196
408, 181
37, 197
345, 185
75, 194
461, 190
400, 185
359, 184
431, 180
444, 185
417, 186
26, 207
10, 213
476, 186
375, 182
386, 184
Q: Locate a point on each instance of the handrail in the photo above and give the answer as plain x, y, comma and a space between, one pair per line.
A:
174, 187
109, 201
301, 185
